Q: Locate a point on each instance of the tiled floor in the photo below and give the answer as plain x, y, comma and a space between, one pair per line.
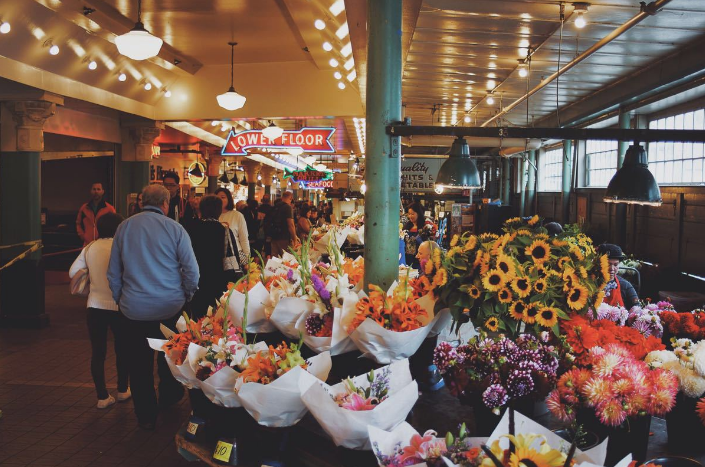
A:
48, 401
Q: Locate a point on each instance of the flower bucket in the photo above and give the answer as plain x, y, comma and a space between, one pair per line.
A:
632, 436
686, 433
673, 461
589, 439
485, 420
220, 421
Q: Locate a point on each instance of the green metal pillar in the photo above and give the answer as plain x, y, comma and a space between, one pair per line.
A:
620, 209
268, 190
251, 190
624, 123
132, 177
531, 185
567, 180
506, 181
523, 165
383, 166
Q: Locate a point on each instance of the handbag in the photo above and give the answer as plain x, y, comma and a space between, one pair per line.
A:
80, 284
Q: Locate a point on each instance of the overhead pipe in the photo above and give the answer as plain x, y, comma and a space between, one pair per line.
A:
646, 11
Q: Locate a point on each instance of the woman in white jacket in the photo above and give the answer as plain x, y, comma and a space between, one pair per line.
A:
103, 311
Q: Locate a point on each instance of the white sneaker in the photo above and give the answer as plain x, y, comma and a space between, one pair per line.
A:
105, 403
123, 396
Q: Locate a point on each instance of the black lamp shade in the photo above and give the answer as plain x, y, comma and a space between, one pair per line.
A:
459, 171
634, 183
234, 179
224, 178
243, 182
196, 171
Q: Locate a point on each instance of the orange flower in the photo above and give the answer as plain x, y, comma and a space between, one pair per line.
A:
395, 313
260, 369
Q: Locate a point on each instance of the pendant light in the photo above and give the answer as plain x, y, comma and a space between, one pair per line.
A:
243, 182
634, 183
231, 100
224, 177
272, 132
458, 171
138, 44
196, 170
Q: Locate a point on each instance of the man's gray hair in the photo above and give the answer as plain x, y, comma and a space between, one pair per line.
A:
288, 194
155, 195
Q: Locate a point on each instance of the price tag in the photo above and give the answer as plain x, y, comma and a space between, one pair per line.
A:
222, 451
192, 428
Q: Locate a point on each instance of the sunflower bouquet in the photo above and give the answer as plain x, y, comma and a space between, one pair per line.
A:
499, 371
522, 279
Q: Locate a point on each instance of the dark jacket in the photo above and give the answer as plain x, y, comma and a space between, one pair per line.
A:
629, 295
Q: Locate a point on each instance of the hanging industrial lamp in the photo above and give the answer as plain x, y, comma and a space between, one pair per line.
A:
634, 183
195, 170
458, 171
272, 132
138, 44
231, 100
243, 182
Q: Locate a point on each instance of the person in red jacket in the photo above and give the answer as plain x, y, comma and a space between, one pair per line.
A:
90, 212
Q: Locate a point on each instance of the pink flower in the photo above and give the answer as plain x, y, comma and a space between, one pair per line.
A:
357, 402
424, 447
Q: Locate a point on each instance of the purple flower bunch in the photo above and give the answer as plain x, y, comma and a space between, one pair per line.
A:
645, 319
499, 370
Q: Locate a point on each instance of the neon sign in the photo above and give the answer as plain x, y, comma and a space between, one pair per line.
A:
308, 139
309, 177
319, 184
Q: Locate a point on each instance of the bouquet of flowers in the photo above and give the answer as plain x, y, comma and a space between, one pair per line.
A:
645, 320
686, 361
356, 220
383, 399
615, 385
581, 334
522, 276
515, 442
689, 325
268, 388
250, 292
499, 371
388, 326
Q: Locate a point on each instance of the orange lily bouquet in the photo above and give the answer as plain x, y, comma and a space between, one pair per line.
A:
388, 326
383, 399
500, 282
532, 443
268, 388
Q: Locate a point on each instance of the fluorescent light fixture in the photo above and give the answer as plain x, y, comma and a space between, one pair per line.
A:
342, 31
352, 76
338, 7
346, 50
350, 64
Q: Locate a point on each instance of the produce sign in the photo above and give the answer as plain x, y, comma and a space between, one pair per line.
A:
309, 177
309, 139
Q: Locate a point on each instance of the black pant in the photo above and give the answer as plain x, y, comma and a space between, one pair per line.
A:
98, 323
141, 365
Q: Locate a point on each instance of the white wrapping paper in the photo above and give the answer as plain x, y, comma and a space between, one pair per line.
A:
219, 388
287, 313
257, 321
357, 236
349, 428
183, 373
337, 344
279, 404
383, 345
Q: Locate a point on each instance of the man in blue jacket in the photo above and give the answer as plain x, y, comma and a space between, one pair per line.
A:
152, 274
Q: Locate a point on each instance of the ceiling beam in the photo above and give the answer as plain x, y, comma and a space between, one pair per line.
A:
616, 134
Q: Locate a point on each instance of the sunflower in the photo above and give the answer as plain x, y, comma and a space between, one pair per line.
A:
577, 297
533, 220
492, 323
506, 264
529, 314
540, 285
478, 258
474, 292
516, 310
605, 268
599, 299
569, 279
583, 272
471, 243
441, 278
524, 232
485, 264
539, 251
454, 240
521, 286
494, 280
575, 251
504, 295
559, 243
562, 261
547, 316
487, 237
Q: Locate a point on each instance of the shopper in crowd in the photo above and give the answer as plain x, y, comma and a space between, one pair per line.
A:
152, 274
316, 221
618, 291
329, 215
425, 253
240, 205
263, 210
177, 204
413, 230
216, 252
236, 222
303, 223
103, 312
90, 212
136, 207
250, 215
283, 230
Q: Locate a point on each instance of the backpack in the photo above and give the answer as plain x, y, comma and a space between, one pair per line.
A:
272, 223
